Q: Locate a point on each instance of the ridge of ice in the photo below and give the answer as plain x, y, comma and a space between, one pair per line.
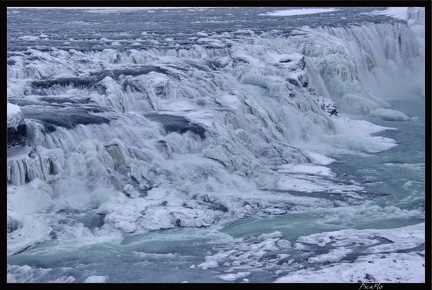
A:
300, 11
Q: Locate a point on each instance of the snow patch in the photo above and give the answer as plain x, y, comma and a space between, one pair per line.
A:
234, 276
301, 11
395, 12
97, 279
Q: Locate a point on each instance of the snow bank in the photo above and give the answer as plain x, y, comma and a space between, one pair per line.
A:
390, 255
302, 11
97, 279
389, 115
395, 12
377, 268
234, 276
370, 144
355, 135
307, 169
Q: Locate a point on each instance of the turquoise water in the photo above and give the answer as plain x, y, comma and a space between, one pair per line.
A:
395, 176
393, 180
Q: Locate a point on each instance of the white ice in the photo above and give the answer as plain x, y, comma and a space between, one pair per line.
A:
300, 11
379, 263
307, 169
355, 135
234, 111
265, 133
389, 115
97, 279
375, 268
396, 12
14, 115
377, 258
234, 276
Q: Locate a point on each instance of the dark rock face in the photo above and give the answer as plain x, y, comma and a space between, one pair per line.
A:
16, 136
218, 206
163, 148
177, 124
39, 86
93, 220
304, 80
63, 117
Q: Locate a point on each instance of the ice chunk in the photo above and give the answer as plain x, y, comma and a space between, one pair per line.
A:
300, 11
389, 115
14, 116
97, 279
234, 276
14, 221
356, 104
102, 195
31, 198
371, 144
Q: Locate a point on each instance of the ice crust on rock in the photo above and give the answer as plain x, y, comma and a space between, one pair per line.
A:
14, 115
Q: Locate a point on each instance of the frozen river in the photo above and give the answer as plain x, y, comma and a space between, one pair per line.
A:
200, 145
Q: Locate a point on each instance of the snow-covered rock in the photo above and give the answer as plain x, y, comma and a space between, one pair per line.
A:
14, 116
15, 125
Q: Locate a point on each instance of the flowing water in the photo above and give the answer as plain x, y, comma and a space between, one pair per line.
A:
159, 142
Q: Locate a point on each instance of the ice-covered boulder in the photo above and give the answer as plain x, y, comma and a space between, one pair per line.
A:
389, 115
327, 106
14, 115
16, 127
14, 221
356, 104
34, 197
102, 195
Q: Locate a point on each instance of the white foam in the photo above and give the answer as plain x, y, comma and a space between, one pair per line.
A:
257, 122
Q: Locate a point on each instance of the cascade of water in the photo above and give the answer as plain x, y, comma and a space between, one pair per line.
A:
160, 138
360, 67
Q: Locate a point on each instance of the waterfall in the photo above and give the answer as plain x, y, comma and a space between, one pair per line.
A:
158, 138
